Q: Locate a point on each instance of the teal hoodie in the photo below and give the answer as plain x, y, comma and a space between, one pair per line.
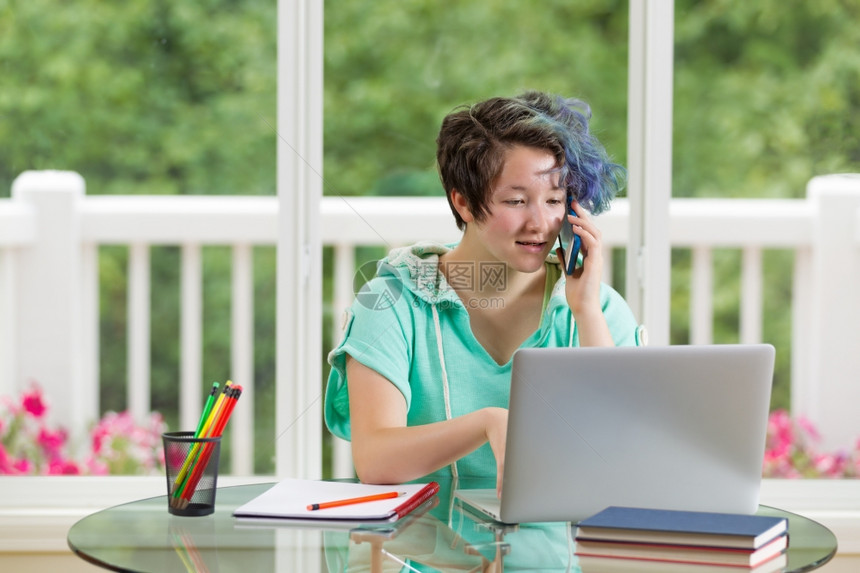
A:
409, 324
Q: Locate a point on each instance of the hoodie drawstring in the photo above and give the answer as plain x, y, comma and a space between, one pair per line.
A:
445, 389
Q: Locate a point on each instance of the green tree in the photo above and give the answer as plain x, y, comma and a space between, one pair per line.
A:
140, 97
150, 97
393, 69
153, 97
766, 95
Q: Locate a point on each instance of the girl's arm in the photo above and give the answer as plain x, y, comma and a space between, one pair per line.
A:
386, 450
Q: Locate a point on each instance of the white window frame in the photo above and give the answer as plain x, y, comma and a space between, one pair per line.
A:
299, 152
298, 386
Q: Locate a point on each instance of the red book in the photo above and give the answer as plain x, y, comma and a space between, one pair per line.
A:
702, 555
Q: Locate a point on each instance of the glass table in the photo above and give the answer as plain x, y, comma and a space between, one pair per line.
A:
443, 535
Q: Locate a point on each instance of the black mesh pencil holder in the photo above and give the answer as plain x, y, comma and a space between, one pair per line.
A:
191, 465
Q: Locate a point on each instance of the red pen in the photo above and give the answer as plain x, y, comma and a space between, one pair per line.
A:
353, 500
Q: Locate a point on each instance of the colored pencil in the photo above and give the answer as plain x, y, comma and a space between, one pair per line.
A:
187, 490
210, 401
204, 433
354, 500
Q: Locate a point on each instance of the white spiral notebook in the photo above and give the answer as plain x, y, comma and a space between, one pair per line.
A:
309, 500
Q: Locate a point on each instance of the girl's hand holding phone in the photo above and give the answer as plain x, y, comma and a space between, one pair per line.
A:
582, 286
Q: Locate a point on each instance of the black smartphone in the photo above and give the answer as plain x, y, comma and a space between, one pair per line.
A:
570, 243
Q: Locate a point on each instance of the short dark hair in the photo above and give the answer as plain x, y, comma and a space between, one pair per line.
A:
473, 140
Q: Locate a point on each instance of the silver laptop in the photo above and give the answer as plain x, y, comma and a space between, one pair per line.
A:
673, 427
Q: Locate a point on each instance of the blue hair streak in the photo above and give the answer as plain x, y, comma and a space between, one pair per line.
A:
587, 172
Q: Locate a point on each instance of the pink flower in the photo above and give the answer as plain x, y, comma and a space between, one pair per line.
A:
809, 428
780, 435
96, 467
29, 446
6, 461
22, 466
52, 442
790, 451
99, 435
831, 465
174, 455
6, 403
33, 403
123, 446
63, 467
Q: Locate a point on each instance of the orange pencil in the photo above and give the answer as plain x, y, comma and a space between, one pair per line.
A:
354, 500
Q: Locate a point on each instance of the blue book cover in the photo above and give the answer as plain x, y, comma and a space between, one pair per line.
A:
673, 526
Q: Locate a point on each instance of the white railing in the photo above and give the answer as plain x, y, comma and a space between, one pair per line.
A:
50, 232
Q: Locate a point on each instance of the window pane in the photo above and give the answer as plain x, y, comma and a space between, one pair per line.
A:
393, 70
766, 96
155, 98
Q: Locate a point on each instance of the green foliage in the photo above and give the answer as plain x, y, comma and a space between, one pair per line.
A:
156, 97
149, 97
766, 95
393, 69
140, 97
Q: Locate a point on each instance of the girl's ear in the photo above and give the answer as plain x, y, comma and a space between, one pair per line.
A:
462, 207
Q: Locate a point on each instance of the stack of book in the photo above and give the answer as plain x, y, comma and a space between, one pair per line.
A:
636, 539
